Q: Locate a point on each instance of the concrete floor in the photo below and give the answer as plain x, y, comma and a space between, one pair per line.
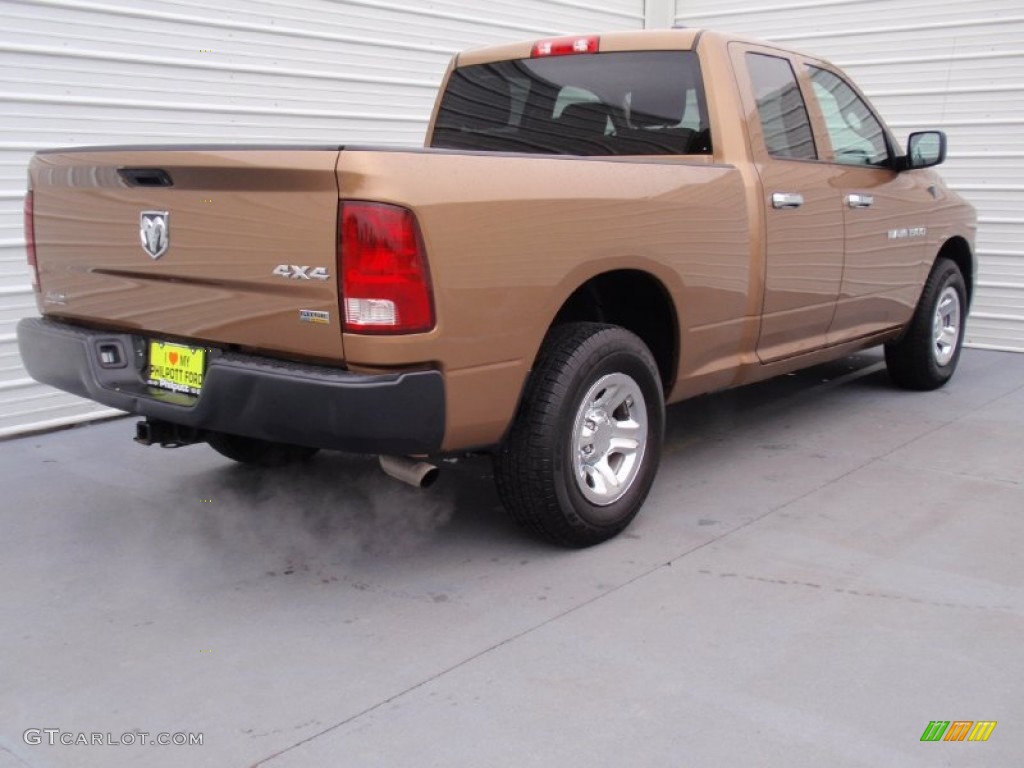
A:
825, 565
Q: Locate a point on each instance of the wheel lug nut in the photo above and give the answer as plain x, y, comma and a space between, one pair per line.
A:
590, 424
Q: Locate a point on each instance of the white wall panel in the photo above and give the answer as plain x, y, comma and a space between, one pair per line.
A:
77, 72
929, 63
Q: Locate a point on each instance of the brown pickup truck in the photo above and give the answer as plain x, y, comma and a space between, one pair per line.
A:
598, 226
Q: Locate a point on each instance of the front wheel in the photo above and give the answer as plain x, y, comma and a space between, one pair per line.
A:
585, 445
927, 354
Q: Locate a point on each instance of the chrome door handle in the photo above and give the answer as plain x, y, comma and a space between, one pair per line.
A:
787, 200
856, 200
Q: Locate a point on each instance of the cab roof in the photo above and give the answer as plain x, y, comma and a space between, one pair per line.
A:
636, 40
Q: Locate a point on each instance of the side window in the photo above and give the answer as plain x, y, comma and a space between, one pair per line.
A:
784, 121
856, 134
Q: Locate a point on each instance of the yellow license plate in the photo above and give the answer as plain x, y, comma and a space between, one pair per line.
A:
176, 367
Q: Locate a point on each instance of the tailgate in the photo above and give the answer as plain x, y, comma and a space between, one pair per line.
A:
225, 246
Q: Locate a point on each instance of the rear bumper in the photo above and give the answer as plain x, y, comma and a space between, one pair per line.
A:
259, 397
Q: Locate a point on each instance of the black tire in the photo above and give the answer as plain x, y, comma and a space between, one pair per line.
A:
536, 465
249, 450
922, 359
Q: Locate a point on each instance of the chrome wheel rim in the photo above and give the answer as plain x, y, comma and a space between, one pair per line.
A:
609, 438
946, 325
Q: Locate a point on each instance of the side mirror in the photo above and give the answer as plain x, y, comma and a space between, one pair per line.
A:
925, 149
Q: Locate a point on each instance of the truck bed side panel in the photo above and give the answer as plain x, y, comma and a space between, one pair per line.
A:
509, 238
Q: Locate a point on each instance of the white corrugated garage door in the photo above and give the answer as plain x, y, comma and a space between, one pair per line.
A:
944, 64
76, 72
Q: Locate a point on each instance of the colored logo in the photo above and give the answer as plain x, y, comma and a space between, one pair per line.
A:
958, 730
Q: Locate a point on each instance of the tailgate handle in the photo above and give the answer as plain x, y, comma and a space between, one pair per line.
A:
146, 177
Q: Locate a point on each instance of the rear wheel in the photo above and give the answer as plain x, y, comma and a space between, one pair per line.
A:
249, 450
927, 354
584, 448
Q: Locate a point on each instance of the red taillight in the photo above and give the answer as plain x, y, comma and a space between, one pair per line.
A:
566, 46
385, 283
30, 240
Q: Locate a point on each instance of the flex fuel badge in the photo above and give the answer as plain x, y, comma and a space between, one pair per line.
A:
314, 316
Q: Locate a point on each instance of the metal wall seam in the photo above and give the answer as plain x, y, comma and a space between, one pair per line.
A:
212, 66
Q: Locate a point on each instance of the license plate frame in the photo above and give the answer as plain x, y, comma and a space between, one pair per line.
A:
175, 367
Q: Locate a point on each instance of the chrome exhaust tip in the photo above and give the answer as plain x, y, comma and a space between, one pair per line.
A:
414, 472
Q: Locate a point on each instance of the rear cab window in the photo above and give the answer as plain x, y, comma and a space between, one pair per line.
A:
619, 103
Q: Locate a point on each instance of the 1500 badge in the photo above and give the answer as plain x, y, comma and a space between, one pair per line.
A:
295, 272
899, 234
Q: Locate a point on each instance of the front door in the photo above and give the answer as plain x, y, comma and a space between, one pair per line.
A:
884, 214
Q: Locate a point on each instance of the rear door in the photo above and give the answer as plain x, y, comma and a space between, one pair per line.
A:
803, 218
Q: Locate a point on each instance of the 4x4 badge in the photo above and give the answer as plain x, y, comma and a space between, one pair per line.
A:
155, 232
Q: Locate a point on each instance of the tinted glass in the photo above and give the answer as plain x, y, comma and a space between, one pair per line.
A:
856, 134
784, 121
631, 103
